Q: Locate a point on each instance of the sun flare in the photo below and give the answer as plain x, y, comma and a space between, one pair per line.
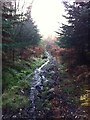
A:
47, 15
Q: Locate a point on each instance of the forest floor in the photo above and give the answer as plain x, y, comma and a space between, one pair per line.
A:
52, 96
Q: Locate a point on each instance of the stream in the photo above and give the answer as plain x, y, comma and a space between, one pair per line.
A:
37, 84
47, 99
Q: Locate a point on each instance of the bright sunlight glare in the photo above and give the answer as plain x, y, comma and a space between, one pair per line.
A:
47, 15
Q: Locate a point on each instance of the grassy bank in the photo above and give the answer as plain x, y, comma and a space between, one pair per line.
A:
15, 86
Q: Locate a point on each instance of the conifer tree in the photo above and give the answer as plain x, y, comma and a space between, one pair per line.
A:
76, 33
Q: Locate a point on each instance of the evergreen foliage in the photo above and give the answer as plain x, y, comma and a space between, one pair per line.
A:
18, 30
76, 33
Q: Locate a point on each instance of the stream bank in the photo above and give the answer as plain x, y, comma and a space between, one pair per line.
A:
48, 97
52, 96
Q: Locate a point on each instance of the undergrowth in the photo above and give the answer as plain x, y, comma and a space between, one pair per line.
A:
15, 86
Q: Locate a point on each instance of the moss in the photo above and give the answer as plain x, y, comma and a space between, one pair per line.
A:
8, 80
14, 84
15, 96
14, 101
69, 89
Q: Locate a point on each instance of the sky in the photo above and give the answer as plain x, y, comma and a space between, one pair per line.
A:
47, 15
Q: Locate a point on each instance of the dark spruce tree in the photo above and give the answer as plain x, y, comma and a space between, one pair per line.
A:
18, 31
76, 33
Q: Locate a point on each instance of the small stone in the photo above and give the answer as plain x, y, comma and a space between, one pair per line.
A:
14, 116
22, 91
20, 109
71, 112
76, 117
19, 113
51, 90
62, 116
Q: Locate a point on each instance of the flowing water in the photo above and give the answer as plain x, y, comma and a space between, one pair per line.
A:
58, 99
48, 100
37, 84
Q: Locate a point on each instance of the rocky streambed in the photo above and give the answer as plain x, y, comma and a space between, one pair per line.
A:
47, 99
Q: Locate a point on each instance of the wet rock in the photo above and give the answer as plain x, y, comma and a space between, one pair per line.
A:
39, 87
51, 90
44, 90
52, 72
